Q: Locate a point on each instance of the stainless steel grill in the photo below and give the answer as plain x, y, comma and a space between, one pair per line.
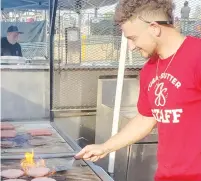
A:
78, 172
55, 147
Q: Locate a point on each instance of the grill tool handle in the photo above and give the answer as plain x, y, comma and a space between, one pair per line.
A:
36, 156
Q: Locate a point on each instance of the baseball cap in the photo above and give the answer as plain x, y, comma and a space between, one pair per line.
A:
13, 29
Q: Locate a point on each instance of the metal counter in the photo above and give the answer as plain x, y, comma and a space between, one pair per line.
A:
24, 92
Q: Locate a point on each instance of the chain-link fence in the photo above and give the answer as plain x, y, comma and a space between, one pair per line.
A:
96, 39
87, 45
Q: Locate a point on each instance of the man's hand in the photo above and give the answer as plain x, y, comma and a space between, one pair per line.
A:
92, 152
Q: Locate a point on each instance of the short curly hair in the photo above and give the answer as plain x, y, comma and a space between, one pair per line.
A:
126, 9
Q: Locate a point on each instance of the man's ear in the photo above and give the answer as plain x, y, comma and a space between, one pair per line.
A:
155, 29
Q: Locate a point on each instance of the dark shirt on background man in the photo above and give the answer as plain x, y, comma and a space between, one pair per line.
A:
8, 49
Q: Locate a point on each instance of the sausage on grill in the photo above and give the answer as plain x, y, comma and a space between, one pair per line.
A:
43, 179
15, 180
40, 132
7, 144
8, 133
12, 173
6, 126
38, 171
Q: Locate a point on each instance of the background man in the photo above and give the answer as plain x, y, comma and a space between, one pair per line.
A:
185, 11
9, 45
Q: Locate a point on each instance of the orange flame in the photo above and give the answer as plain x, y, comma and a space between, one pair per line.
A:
29, 162
51, 173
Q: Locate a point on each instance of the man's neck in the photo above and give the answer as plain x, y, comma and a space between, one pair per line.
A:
168, 46
10, 41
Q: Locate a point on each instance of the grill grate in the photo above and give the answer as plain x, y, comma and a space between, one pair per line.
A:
79, 172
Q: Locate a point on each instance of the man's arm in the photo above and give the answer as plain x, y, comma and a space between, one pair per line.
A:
135, 130
2, 46
20, 51
181, 10
2, 50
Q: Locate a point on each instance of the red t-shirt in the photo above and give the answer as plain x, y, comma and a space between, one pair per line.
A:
175, 102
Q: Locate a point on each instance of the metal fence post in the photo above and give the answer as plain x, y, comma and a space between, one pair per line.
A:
53, 8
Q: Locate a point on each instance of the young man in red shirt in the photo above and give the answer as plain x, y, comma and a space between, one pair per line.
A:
170, 91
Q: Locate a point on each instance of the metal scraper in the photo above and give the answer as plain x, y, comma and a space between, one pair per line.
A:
40, 155
60, 164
